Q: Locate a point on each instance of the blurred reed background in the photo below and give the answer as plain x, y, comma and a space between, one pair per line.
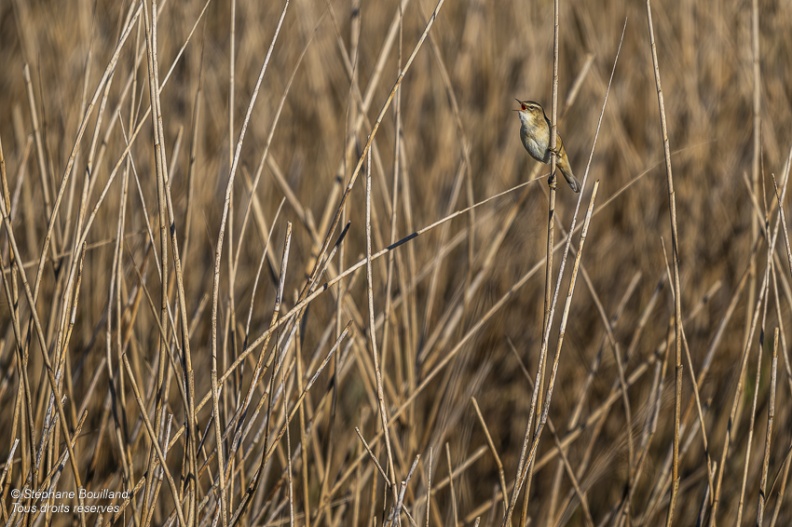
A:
457, 309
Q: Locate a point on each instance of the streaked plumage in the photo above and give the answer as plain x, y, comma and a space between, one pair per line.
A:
535, 134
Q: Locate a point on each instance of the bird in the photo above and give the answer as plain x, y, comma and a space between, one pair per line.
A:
535, 134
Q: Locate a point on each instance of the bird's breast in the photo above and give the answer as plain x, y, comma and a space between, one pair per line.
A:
537, 147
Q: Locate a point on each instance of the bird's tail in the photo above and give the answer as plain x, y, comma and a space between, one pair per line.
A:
574, 184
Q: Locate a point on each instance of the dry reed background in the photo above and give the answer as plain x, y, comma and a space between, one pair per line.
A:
452, 376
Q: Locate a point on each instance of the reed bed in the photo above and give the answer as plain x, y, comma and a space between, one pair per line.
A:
287, 263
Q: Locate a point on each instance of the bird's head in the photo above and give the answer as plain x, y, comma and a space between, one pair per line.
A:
530, 112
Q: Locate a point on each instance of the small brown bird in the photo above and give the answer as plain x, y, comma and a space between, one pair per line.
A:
535, 134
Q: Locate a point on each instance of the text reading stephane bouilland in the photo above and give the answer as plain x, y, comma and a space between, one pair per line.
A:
54, 501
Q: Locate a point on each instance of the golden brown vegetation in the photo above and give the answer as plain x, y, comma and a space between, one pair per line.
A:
197, 278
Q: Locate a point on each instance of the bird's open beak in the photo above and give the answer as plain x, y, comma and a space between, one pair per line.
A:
520, 103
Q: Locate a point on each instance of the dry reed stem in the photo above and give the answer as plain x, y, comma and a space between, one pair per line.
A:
675, 256
382, 409
536, 436
760, 507
547, 320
